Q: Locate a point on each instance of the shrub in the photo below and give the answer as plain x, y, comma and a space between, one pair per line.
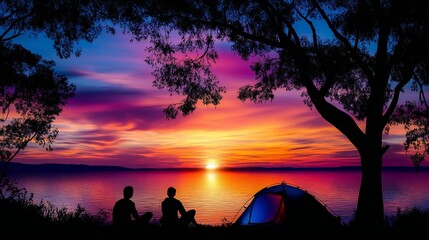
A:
410, 220
19, 209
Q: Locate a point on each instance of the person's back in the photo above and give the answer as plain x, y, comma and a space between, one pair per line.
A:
171, 207
122, 212
125, 210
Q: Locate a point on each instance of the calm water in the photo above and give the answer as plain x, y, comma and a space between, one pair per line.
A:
219, 194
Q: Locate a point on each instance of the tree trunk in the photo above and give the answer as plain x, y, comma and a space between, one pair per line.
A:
370, 206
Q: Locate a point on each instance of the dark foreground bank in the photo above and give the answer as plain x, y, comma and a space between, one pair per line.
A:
23, 225
154, 232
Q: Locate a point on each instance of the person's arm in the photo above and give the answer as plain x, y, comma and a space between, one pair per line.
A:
181, 208
163, 208
134, 211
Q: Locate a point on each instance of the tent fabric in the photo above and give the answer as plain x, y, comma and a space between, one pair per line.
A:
286, 205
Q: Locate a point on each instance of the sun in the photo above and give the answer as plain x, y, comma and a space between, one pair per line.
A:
211, 166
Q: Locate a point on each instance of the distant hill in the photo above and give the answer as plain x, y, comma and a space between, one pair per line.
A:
55, 168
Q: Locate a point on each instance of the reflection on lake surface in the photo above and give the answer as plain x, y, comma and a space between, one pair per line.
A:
219, 194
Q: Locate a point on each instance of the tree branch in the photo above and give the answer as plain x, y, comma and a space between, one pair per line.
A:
12, 26
310, 23
20, 148
394, 101
15, 35
381, 70
421, 92
289, 25
345, 41
206, 50
341, 120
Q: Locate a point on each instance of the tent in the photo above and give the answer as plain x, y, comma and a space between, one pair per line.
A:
287, 206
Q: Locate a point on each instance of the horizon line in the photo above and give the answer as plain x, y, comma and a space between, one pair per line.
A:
68, 166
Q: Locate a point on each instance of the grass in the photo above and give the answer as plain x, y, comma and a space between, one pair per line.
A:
23, 218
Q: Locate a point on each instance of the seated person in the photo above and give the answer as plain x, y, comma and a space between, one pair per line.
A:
170, 209
125, 212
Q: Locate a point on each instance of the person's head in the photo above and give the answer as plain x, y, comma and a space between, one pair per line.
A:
128, 192
171, 192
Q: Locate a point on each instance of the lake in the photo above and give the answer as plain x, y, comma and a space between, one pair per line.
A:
218, 195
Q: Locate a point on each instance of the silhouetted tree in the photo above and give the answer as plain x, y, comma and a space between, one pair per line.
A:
32, 95
351, 59
30, 88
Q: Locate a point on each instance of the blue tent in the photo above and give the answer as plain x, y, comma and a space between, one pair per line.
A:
288, 206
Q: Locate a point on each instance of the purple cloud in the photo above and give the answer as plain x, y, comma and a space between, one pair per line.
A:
143, 118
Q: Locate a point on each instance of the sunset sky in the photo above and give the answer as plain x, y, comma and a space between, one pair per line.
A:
116, 118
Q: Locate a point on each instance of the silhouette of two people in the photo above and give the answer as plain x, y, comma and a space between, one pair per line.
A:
125, 213
171, 207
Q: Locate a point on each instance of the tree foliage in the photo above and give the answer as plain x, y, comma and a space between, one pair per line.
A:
65, 22
32, 95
